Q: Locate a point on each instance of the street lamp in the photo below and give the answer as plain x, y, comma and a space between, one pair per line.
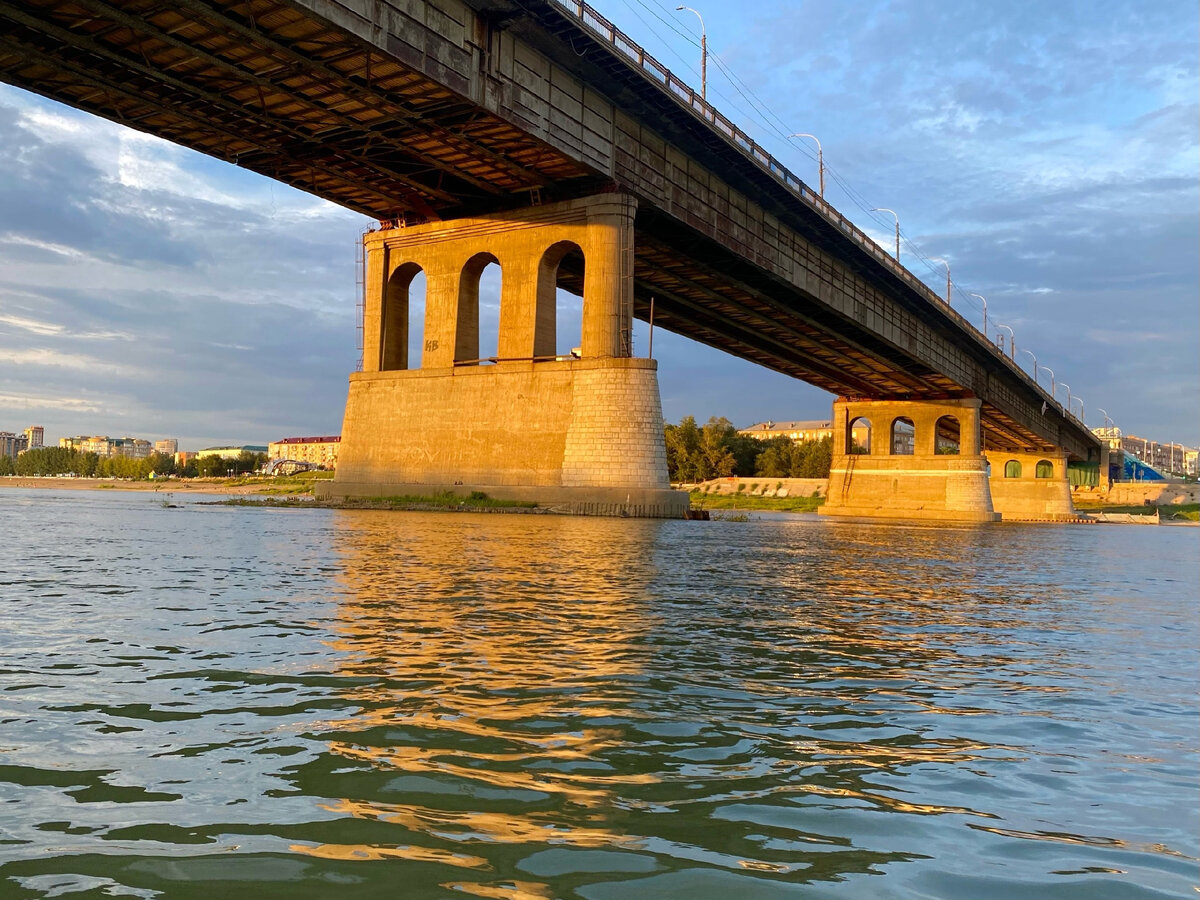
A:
1012, 341
897, 218
703, 53
1063, 384
1081, 413
1035, 365
821, 175
1108, 423
1051, 371
984, 302
947, 265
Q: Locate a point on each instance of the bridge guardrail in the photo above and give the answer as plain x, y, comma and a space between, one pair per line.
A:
656, 72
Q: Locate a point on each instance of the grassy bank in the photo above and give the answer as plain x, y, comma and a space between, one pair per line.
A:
1187, 511
701, 500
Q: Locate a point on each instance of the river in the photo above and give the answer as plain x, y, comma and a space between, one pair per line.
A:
204, 701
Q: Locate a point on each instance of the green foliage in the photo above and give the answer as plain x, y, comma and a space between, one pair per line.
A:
7, 466
715, 450
64, 461
782, 457
702, 500
219, 467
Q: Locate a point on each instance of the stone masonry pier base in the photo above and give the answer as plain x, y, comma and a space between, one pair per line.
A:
582, 436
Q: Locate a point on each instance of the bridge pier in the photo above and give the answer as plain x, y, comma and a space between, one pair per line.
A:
1031, 486
582, 431
920, 460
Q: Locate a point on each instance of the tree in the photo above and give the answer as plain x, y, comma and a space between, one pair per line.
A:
775, 458
162, 463
683, 449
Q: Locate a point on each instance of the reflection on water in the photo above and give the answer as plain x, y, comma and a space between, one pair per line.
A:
535, 707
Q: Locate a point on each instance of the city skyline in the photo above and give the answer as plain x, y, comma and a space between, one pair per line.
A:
143, 285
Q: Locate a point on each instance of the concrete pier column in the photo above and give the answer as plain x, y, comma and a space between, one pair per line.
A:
373, 289
608, 279
930, 480
442, 306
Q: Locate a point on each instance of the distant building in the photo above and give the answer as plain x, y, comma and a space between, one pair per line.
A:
167, 446
11, 445
230, 452
808, 430
99, 444
183, 457
35, 436
1170, 458
130, 448
105, 447
320, 451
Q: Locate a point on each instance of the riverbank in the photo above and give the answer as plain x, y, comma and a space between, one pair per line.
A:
249, 485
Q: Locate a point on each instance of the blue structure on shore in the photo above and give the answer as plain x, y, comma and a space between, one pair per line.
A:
1136, 470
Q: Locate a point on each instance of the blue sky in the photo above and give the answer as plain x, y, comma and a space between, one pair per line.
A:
1048, 151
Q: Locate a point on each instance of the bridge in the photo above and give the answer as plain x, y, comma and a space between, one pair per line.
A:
535, 134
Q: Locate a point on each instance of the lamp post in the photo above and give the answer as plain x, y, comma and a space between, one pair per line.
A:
897, 218
1035, 365
821, 176
1012, 341
703, 53
1063, 384
1051, 371
984, 302
1081, 413
1107, 421
947, 265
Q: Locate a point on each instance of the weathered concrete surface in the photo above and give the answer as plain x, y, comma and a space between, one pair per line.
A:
921, 484
1040, 492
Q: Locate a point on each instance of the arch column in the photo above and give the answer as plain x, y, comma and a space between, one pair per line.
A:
373, 300
608, 280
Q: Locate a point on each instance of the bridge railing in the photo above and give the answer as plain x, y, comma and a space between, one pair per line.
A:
656, 72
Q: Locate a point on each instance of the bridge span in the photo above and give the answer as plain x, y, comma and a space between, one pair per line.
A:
431, 114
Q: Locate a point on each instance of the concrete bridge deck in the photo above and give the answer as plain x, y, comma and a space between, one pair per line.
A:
431, 109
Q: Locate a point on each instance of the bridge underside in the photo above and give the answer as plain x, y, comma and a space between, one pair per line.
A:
271, 87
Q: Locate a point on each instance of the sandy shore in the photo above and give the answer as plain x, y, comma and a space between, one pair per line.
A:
162, 486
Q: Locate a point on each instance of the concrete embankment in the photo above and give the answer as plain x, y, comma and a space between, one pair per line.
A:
761, 486
1140, 493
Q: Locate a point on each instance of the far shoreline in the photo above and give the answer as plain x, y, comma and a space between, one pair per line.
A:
158, 485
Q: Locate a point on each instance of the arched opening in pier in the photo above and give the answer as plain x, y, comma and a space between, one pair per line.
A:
1012, 469
947, 436
559, 328
858, 436
477, 328
403, 308
1044, 469
904, 436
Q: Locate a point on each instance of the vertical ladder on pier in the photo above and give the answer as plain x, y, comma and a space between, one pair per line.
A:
361, 294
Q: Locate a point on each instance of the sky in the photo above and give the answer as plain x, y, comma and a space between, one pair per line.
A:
1048, 151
